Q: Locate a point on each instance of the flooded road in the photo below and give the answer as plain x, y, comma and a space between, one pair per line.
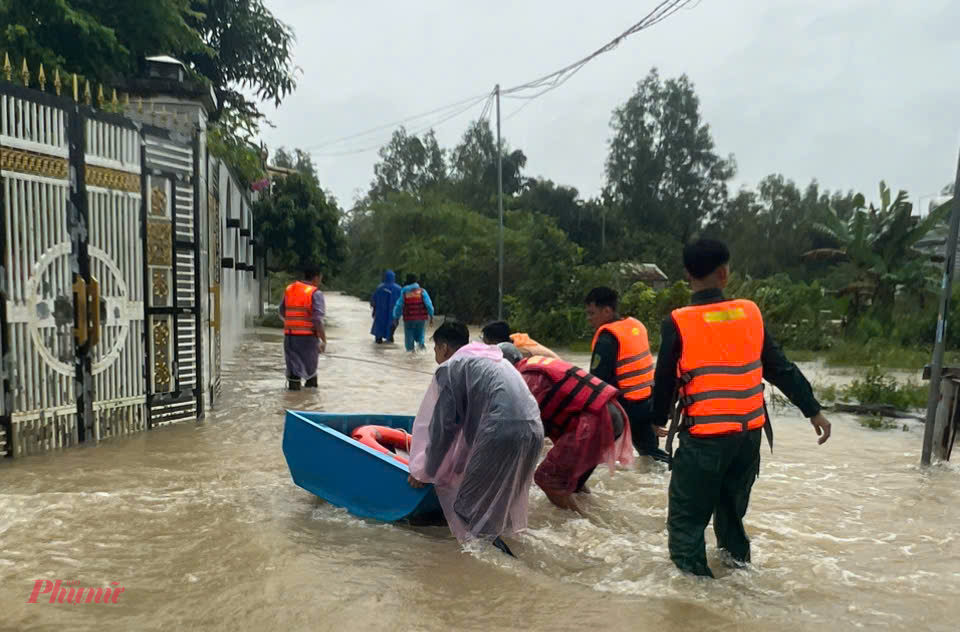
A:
203, 528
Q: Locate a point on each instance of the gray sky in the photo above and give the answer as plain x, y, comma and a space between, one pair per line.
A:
846, 91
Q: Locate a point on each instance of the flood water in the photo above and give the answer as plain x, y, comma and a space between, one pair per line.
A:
204, 529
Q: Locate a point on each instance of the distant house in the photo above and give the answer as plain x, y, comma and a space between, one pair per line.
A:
279, 172
649, 273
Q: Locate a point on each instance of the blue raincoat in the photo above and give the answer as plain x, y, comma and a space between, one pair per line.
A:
384, 298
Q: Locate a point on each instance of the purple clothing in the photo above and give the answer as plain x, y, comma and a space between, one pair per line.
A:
302, 353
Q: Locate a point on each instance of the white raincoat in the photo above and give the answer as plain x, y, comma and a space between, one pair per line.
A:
477, 438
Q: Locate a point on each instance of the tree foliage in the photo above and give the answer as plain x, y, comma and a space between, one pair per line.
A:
877, 245
769, 229
409, 164
99, 39
248, 50
231, 139
296, 225
662, 168
298, 160
473, 164
237, 46
431, 210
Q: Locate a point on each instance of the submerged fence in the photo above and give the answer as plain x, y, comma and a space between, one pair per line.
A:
127, 258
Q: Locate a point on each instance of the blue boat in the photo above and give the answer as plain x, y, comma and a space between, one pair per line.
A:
324, 460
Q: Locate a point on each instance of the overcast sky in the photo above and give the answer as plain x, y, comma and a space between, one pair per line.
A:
845, 91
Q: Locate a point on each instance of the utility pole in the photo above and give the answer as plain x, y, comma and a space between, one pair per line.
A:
500, 205
936, 365
603, 229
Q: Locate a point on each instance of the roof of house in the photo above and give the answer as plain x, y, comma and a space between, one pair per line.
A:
642, 271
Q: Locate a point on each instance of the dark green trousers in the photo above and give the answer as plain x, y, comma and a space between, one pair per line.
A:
711, 476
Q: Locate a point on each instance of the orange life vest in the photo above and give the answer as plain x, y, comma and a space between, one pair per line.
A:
720, 370
298, 306
634, 369
574, 391
414, 308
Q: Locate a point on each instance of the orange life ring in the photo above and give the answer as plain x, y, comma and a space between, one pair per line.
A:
377, 437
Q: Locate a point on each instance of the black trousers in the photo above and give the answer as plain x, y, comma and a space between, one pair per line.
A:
711, 476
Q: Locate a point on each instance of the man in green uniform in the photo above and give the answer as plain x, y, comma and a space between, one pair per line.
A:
713, 356
621, 358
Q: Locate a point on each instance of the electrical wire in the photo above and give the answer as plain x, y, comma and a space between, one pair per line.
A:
413, 132
517, 111
336, 141
557, 78
487, 108
527, 91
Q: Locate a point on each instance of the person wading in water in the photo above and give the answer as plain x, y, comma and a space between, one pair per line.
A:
713, 359
304, 338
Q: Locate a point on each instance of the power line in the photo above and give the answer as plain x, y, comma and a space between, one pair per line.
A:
336, 141
557, 78
538, 87
487, 108
517, 111
412, 132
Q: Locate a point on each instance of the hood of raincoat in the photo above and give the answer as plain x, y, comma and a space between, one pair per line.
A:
510, 352
389, 276
480, 350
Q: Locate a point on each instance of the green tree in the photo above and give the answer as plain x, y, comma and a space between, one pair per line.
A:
297, 224
662, 168
237, 46
651, 307
454, 250
249, 52
769, 229
474, 168
99, 39
231, 139
408, 164
299, 160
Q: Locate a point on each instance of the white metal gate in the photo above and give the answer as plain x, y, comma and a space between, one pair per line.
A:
39, 231
115, 253
72, 278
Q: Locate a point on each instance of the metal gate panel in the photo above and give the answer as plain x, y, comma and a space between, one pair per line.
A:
172, 307
214, 270
113, 183
38, 275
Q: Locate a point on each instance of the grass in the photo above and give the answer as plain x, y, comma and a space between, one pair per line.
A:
878, 388
272, 320
878, 423
826, 392
580, 346
845, 353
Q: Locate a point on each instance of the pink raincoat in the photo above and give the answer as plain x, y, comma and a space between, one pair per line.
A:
477, 437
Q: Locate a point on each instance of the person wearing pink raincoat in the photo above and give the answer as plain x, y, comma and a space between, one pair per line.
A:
477, 437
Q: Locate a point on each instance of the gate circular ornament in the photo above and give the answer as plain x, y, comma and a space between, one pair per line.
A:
57, 312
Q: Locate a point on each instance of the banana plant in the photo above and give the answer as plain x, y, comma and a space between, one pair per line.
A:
878, 246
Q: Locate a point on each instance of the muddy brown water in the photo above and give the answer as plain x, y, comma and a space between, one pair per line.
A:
204, 529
